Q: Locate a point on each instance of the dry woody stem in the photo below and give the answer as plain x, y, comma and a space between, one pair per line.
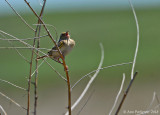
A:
64, 63
125, 93
37, 33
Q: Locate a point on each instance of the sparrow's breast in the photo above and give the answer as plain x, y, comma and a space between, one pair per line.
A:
69, 44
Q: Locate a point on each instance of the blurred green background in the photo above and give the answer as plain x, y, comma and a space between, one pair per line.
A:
115, 29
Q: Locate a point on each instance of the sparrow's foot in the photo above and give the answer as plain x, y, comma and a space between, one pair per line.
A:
41, 57
59, 61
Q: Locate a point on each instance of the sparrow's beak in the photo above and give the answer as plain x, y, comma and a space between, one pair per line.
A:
67, 34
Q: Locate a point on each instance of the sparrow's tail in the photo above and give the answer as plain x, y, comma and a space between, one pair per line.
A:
42, 57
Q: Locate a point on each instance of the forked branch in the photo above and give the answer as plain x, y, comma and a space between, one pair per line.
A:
64, 63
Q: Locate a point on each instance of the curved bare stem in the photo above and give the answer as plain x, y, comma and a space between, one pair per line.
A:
3, 110
90, 81
120, 90
136, 51
100, 69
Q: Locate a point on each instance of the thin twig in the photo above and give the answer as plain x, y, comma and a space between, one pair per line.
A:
44, 60
37, 68
22, 55
13, 84
151, 110
157, 99
16, 49
89, 97
23, 39
90, 81
38, 29
30, 75
31, 47
120, 90
61, 56
12, 101
52, 27
29, 80
3, 110
56, 71
19, 15
25, 48
136, 51
22, 42
150, 105
100, 69
153, 98
125, 94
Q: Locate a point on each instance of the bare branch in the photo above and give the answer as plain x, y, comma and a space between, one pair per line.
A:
12, 101
24, 39
54, 28
24, 48
19, 15
125, 94
16, 49
90, 81
150, 105
86, 102
157, 99
29, 80
136, 51
37, 68
3, 110
30, 47
120, 90
44, 60
13, 84
37, 33
61, 56
56, 71
100, 69
22, 55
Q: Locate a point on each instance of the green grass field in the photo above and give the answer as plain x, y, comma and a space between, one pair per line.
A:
115, 29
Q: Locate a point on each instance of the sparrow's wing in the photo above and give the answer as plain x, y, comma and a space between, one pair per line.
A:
60, 44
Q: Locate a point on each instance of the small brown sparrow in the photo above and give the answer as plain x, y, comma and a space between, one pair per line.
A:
65, 45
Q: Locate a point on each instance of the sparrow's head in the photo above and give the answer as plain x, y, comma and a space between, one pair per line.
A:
64, 35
